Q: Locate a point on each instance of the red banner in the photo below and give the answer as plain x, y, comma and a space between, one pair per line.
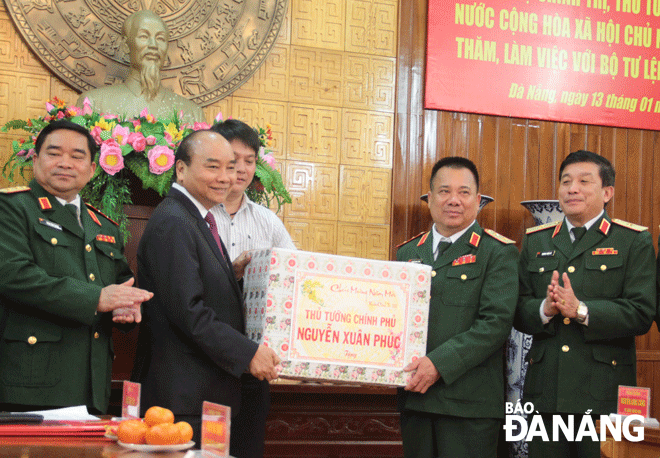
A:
585, 61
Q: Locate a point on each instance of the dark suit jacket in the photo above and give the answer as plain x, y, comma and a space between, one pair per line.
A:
192, 347
55, 349
574, 368
470, 317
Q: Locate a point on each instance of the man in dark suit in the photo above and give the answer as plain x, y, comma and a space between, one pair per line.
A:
192, 345
454, 404
587, 288
59, 269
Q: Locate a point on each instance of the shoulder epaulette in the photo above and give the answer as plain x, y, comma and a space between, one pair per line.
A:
411, 239
498, 237
102, 214
634, 227
531, 230
14, 189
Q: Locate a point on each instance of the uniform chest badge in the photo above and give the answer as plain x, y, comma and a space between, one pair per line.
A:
467, 259
604, 251
105, 238
545, 254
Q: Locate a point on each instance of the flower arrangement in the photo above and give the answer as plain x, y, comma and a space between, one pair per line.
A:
144, 145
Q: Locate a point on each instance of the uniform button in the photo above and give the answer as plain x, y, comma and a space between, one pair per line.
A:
88, 248
32, 340
541, 270
571, 269
112, 254
92, 277
565, 348
433, 274
96, 335
614, 362
463, 277
603, 267
567, 320
53, 241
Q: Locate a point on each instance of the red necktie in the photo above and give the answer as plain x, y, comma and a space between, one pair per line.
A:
214, 231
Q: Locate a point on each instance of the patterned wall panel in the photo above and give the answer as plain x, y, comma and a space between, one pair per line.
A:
263, 112
318, 23
367, 138
369, 82
364, 195
314, 134
271, 81
14, 54
313, 235
371, 27
62, 91
313, 189
221, 106
22, 95
363, 241
316, 76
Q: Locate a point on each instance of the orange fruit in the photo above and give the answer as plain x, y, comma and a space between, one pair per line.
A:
132, 431
185, 430
163, 434
157, 415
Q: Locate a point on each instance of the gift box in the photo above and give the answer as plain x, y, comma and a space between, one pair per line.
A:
337, 318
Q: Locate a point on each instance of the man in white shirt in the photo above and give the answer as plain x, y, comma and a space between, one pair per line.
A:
244, 225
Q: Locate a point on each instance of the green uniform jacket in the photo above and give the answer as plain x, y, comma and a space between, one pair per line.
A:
575, 368
470, 317
55, 349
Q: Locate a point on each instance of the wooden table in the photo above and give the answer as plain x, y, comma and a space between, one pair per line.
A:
648, 448
53, 447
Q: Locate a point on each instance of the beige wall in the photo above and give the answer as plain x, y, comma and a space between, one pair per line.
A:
328, 91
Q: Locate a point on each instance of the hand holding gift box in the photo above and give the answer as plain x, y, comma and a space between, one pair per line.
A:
337, 318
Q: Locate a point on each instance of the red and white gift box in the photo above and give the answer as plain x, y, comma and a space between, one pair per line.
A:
338, 318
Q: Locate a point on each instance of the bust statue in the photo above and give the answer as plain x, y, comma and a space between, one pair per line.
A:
145, 40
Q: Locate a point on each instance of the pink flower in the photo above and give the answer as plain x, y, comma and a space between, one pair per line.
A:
60, 115
31, 152
151, 140
161, 159
269, 159
96, 133
49, 106
200, 126
136, 123
111, 159
87, 107
145, 114
120, 134
137, 141
73, 111
110, 116
218, 117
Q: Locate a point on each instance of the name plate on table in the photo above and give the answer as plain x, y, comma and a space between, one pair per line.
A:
338, 318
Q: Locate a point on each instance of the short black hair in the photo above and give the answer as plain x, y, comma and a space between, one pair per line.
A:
184, 151
233, 129
64, 124
605, 168
455, 162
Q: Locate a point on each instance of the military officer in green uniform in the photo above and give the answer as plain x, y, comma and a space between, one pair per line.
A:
587, 288
454, 404
63, 276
